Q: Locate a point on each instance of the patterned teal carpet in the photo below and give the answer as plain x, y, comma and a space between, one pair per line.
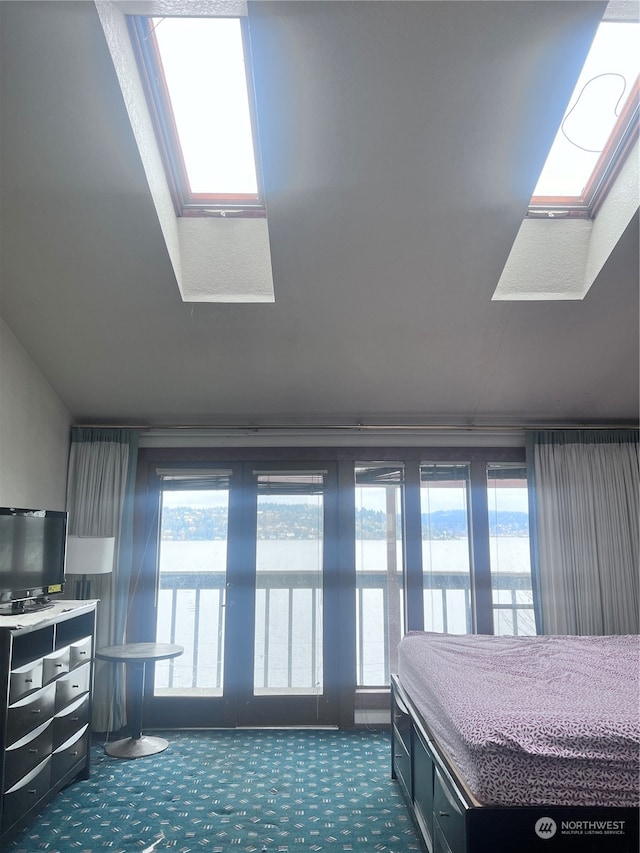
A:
234, 791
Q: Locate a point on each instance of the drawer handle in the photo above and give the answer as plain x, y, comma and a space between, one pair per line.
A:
75, 686
33, 751
83, 653
73, 754
28, 681
36, 711
59, 665
74, 719
444, 814
32, 791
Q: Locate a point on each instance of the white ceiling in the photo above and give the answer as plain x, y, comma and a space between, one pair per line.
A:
401, 142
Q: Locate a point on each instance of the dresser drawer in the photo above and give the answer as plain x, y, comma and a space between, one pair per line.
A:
440, 842
423, 771
27, 714
68, 754
402, 722
26, 793
70, 720
72, 685
55, 665
402, 763
80, 652
23, 755
25, 680
448, 813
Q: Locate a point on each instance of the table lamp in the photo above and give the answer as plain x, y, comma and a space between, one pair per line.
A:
89, 555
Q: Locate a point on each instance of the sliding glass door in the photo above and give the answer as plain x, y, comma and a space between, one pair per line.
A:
192, 578
242, 577
294, 654
288, 610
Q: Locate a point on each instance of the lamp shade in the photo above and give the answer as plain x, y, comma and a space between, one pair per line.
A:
90, 555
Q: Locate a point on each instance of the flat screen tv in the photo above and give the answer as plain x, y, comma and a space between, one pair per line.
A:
33, 546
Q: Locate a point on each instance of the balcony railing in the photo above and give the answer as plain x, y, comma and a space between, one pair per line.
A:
192, 614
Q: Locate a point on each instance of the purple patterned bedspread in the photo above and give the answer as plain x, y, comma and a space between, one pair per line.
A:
532, 720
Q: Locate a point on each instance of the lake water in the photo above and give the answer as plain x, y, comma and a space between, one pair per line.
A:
277, 654
508, 554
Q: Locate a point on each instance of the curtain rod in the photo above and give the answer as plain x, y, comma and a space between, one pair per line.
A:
261, 428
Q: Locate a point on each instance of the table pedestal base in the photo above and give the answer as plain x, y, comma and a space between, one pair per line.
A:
137, 655
130, 747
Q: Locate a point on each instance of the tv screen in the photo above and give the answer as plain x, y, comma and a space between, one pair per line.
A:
32, 556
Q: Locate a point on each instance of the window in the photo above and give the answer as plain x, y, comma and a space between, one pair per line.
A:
197, 81
288, 642
471, 567
192, 566
446, 558
512, 591
476, 571
379, 560
598, 127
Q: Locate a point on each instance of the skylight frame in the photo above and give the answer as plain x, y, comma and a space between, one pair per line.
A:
187, 202
622, 138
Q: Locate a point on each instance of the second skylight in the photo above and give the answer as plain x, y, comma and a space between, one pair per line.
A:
591, 124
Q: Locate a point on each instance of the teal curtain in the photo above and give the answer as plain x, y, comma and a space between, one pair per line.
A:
584, 490
100, 495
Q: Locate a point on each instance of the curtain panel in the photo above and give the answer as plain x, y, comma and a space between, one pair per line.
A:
100, 488
585, 511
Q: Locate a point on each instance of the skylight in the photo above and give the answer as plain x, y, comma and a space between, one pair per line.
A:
598, 125
198, 89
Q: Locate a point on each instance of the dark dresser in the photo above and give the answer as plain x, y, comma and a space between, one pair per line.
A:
46, 678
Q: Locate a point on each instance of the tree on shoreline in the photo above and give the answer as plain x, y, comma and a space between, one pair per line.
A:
291, 521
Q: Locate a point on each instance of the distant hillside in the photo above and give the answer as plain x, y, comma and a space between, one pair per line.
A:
286, 521
452, 524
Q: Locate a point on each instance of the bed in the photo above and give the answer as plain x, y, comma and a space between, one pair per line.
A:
518, 744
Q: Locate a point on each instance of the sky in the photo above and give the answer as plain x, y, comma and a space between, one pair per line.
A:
606, 80
203, 62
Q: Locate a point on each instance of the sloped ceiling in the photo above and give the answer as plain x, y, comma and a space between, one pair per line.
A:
400, 141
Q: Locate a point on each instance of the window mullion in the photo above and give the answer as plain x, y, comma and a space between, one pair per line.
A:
414, 597
482, 602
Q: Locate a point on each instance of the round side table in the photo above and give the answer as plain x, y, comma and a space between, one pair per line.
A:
137, 655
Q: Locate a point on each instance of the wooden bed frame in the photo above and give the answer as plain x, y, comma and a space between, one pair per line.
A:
450, 820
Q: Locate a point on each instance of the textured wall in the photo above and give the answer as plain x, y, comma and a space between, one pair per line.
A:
34, 432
